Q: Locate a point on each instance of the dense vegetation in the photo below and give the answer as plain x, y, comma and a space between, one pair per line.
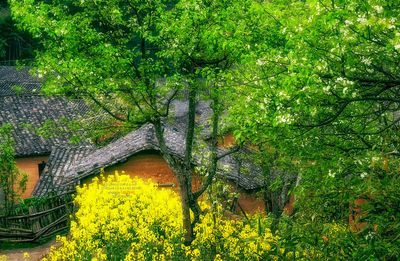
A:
12, 181
120, 218
15, 45
326, 99
312, 84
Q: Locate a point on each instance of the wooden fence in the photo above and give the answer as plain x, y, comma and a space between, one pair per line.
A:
38, 222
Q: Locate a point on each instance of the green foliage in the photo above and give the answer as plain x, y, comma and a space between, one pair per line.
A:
325, 95
12, 182
314, 239
379, 237
313, 84
127, 48
14, 44
25, 204
320, 232
325, 80
105, 53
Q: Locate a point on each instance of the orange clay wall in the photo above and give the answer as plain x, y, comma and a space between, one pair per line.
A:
145, 165
30, 166
356, 212
150, 165
227, 141
250, 203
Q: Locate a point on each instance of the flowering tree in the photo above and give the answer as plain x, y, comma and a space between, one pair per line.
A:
114, 54
327, 97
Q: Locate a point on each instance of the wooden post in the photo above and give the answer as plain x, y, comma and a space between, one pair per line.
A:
35, 222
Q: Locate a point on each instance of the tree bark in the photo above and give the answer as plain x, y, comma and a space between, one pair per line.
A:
183, 169
185, 192
182, 174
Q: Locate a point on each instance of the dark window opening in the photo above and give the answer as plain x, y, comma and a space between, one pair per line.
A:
41, 167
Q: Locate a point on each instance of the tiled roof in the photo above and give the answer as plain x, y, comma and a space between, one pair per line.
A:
15, 81
35, 111
53, 177
180, 111
15, 74
9, 88
21, 103
139, 140
25, 107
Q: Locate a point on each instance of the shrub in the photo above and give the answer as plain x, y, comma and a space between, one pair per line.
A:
120, 218
314, 239
12, 181
322, 231
224, 239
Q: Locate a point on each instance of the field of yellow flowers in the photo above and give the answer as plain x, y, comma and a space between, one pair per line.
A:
120, 218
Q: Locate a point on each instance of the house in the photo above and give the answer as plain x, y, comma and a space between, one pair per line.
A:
25, 108
137, 153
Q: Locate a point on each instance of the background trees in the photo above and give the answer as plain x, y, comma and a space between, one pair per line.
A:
14, 44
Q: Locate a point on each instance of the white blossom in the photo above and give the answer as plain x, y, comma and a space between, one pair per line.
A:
370, 235
260, 62
362, 20
366, 60
375, 159
283, 119
284, 95
314, 111
327, 88
378, 8
348, 22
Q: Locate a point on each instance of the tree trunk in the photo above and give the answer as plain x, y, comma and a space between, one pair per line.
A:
179, 171
185, 201
183, 169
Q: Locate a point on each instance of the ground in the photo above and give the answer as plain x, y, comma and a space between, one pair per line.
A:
35, 253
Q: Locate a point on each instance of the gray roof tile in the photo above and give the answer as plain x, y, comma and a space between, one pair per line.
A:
30, 108
139, 140
54, 178
66, 164
17, 75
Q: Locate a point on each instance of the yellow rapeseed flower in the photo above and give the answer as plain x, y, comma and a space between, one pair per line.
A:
121, 218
